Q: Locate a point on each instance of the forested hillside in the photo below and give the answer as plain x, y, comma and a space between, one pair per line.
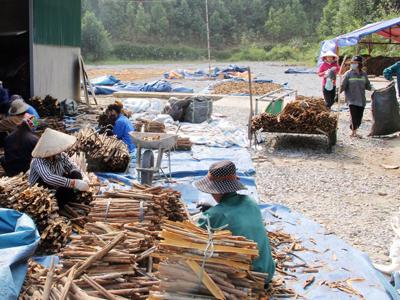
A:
239, 29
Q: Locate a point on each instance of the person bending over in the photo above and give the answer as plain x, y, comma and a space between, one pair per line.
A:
122, 126
52, 168
239, 213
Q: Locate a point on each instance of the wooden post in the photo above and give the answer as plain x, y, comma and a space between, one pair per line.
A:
251, 107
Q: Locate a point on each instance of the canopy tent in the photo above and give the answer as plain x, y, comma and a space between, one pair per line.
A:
389, 29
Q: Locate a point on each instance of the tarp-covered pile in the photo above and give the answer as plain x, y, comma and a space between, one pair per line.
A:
232, 71
107, 85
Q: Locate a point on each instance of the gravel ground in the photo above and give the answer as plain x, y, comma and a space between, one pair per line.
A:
348, 191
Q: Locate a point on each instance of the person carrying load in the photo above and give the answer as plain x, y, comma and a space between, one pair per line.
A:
328, 71
52, 168
239, 213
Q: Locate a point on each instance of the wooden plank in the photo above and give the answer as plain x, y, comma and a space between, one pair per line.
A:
206, 279
165, 95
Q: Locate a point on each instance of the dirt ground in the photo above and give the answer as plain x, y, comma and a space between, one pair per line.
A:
348, 191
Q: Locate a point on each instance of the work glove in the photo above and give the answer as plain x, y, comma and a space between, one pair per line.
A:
80, 185
205, 205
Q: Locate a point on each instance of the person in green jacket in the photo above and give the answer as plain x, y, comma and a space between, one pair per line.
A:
239, 213
393, 70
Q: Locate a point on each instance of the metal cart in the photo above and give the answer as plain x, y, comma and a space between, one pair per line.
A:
147, 142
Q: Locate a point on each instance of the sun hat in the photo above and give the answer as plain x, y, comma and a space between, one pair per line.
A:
18, 107
31, 121
221, 179
329, 53
52, 142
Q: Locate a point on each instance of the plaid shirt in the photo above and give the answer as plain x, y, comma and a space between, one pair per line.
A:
52, 171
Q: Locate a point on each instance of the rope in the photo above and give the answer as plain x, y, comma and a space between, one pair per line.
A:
209, 251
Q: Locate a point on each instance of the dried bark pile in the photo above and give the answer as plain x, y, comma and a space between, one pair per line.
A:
242, 87
227, 262
104, 153
40, 204
46, 107
183, 144
140, 204
149, 126
41, 283
305, 115
104, 262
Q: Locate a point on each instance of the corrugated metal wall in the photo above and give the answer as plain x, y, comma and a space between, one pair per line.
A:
57, 22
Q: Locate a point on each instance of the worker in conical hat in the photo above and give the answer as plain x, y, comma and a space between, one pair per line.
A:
235, 212
51, 167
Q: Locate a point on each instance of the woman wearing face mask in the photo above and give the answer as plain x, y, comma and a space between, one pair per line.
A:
354, 84
328, 71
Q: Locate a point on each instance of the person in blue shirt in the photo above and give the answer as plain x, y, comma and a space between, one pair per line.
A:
122, 126
393, 70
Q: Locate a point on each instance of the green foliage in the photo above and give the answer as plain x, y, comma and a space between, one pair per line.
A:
280, 25
286, 22
95, 39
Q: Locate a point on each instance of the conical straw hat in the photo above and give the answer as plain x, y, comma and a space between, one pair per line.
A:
52, 142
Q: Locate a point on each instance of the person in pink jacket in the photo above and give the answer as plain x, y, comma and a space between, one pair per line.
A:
328, 71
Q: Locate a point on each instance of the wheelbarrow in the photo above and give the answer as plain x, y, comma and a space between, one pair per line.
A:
147, 142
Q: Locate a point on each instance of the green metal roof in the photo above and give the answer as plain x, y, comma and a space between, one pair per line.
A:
57, 22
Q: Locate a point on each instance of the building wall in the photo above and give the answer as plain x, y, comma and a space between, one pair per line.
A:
56, 71
55, 42
57, 22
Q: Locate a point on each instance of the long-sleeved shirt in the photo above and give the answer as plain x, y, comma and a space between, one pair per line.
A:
325, 67
32, 111
122, 128
8, 124
18, 147
354, 85
51, 171
243, 217
393, 70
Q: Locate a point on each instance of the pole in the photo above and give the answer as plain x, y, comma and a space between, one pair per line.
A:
251, 106
208, 40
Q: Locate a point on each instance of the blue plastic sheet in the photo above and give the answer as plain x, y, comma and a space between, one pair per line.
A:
105, 80
336, 259
301, 71
102, 88
18, 241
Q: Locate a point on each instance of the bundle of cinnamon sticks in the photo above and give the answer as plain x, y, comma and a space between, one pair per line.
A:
139, 204
40, 204
183, 144
104, 153
195, 264
149, 126
111, 260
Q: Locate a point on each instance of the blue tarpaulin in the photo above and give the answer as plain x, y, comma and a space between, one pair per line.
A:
336, 260
389, 29
107, 85
18, 241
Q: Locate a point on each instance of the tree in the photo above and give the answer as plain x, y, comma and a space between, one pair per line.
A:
142, 23
288, 22
159, 22
95, 39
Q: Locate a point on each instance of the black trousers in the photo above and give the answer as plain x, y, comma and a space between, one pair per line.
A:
329, 97
63, 194
356, 114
